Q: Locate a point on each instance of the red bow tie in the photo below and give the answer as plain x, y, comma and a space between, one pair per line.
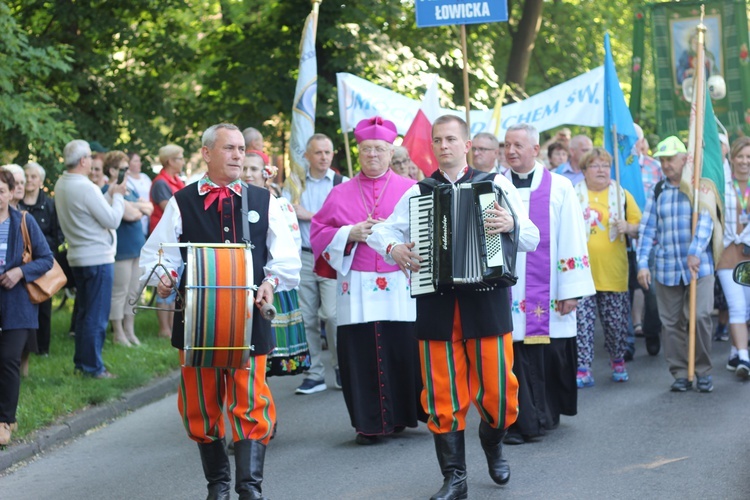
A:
220, 192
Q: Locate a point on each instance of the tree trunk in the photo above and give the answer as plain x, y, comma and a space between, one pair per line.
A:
523, 42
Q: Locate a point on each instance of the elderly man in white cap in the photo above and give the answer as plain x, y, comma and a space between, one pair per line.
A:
666, 223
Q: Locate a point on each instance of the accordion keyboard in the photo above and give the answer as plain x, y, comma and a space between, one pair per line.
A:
493, 243
421, 208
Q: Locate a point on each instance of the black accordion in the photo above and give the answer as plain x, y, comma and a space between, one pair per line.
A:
447, 227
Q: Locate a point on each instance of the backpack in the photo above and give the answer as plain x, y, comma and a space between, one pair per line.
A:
658, 188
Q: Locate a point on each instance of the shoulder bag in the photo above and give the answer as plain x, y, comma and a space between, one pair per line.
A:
44, 287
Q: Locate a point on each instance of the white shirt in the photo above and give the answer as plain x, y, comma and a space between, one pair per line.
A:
396, 227
142, 185
312, 198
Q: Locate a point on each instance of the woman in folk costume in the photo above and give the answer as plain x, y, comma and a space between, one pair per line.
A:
606, 230
376, 344
291, 355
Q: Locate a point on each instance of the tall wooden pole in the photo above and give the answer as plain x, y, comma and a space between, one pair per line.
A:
616, 151
464, 51
699, 98
347, 148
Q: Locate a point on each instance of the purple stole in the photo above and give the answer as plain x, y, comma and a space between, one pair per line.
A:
538, 304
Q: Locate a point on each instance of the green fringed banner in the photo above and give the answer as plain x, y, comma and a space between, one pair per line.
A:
636, 65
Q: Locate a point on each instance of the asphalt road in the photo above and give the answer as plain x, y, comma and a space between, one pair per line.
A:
629, 441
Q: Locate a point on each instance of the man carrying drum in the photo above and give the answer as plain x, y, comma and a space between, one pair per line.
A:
213, 208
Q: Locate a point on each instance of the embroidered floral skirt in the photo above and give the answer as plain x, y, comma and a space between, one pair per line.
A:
291, 354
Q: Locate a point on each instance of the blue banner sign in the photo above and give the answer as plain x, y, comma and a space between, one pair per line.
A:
445, 12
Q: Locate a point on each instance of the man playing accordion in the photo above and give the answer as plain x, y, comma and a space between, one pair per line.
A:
466, 349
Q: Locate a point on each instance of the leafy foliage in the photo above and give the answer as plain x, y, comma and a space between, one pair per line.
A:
140, 73
127, 61
28, 114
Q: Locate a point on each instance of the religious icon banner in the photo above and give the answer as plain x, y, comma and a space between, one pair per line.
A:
673, 41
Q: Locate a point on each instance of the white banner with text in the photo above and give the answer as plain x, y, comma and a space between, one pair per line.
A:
579, 101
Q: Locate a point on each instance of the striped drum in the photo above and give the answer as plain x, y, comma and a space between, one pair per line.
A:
219, 305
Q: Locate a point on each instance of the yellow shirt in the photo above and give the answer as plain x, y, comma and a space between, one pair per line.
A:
609, 259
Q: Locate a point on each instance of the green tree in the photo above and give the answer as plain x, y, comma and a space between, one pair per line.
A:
30, 121
146, 72
128, 63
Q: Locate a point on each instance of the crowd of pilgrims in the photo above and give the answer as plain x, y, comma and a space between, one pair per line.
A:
587, 250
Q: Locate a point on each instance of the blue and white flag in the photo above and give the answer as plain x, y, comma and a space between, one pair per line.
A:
617, 116
305, 94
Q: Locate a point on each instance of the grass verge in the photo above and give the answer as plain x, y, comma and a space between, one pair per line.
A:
52, 390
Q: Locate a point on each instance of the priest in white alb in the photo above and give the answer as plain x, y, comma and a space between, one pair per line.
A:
550, 282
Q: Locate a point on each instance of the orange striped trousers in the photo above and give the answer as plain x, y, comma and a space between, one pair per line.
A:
459, 372
249, 402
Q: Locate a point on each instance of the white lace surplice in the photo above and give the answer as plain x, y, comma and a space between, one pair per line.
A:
363, 297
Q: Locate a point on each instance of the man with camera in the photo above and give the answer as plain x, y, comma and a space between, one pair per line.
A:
88, 220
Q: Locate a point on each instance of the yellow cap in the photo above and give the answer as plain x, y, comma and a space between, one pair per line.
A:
670, 147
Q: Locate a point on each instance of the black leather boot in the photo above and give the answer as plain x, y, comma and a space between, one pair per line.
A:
451, 456
492, 444
249, 456
216, 469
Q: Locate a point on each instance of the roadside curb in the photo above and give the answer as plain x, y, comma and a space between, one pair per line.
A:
79, 423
